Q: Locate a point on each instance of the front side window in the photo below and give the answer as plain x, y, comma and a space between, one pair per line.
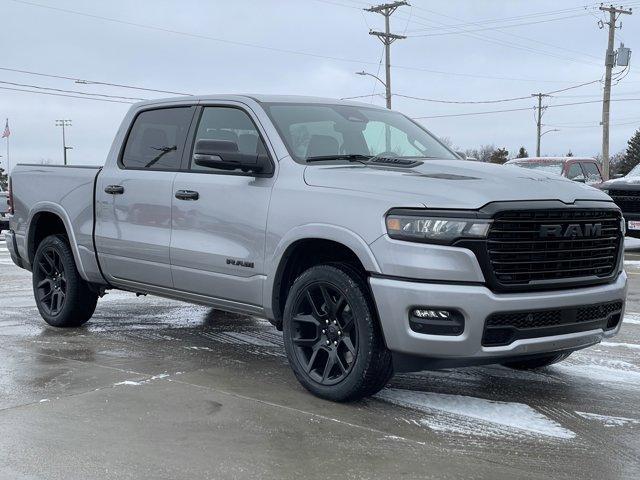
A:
157, 138
592, 173
318, 130
232, 128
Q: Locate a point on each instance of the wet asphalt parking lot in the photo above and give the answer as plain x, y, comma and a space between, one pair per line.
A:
153, 388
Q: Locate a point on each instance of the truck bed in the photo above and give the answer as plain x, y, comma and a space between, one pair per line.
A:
65, 190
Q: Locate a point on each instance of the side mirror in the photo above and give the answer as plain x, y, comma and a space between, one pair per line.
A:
224, 155
617, 175
579, 179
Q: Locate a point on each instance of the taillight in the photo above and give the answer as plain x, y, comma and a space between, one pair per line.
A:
10, 198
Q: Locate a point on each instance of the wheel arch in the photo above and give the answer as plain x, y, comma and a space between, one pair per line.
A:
46, 219
305, 247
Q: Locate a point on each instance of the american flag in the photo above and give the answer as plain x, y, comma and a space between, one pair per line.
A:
6, 132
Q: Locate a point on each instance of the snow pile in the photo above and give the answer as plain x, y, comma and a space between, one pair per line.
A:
608, 420
132, 383
476, 416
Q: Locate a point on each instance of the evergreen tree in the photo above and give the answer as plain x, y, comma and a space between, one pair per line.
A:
501, 155
4, 179
522, 153
632, 156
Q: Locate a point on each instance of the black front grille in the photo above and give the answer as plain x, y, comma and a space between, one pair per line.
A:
553, 246
505, 327
627, 200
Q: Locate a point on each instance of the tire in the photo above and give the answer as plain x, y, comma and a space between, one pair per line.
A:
330, 319
63, 298
535, 363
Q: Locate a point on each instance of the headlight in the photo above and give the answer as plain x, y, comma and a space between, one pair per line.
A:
605, 190
432, 229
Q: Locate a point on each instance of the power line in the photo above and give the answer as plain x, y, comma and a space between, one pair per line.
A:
70, 91
475, 102
65, 95
88, 82
529, 39
510, 19
458, 32
499, 42
279, 50
522, 109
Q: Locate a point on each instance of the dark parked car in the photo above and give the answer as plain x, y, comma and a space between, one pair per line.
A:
625, 191
584, 170
4, 209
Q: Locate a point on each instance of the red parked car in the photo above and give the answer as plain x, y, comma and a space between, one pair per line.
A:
584, 170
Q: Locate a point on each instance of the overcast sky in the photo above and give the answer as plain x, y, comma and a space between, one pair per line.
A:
249, 48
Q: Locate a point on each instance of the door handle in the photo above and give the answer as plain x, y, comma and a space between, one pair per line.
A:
187, 195
114, 189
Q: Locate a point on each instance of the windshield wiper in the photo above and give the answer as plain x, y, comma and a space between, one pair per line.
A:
355, 157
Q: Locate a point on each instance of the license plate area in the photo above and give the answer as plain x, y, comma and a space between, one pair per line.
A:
633, 225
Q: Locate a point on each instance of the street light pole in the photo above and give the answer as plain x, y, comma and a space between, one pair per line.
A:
63, 124
363, 73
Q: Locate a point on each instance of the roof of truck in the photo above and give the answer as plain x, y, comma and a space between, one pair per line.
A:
261, 99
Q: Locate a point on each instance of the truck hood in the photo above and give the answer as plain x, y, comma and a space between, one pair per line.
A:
624, 183
451, 183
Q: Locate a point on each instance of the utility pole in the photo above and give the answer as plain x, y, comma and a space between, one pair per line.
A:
387, 38
63, 124
541, 110
609, 61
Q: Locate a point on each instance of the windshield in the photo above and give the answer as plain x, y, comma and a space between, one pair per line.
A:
548, 167
317, 130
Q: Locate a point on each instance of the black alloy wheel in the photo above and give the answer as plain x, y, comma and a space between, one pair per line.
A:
63, 297
51, 281
332, 335
325, 340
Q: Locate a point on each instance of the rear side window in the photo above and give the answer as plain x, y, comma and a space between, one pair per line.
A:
157, 138
592, 173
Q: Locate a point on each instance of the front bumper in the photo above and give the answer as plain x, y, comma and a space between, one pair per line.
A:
395, 299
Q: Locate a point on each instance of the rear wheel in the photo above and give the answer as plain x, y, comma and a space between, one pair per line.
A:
63, 298
535, 363
332, 337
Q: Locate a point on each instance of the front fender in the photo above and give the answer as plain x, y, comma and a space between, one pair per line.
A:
319, 231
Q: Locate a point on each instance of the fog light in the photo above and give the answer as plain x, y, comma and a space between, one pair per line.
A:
436, 321
420, 313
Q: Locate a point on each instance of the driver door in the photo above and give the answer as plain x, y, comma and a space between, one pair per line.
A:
218, 230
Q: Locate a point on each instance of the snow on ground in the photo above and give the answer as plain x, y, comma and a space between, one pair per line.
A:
608, 420
634, 346
631, 243
632, 318
475, 416
604, 375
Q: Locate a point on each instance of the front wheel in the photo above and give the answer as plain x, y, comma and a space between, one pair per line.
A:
535, 363
332, 337
63, 297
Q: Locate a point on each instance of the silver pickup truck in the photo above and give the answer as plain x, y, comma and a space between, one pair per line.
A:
351, 228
